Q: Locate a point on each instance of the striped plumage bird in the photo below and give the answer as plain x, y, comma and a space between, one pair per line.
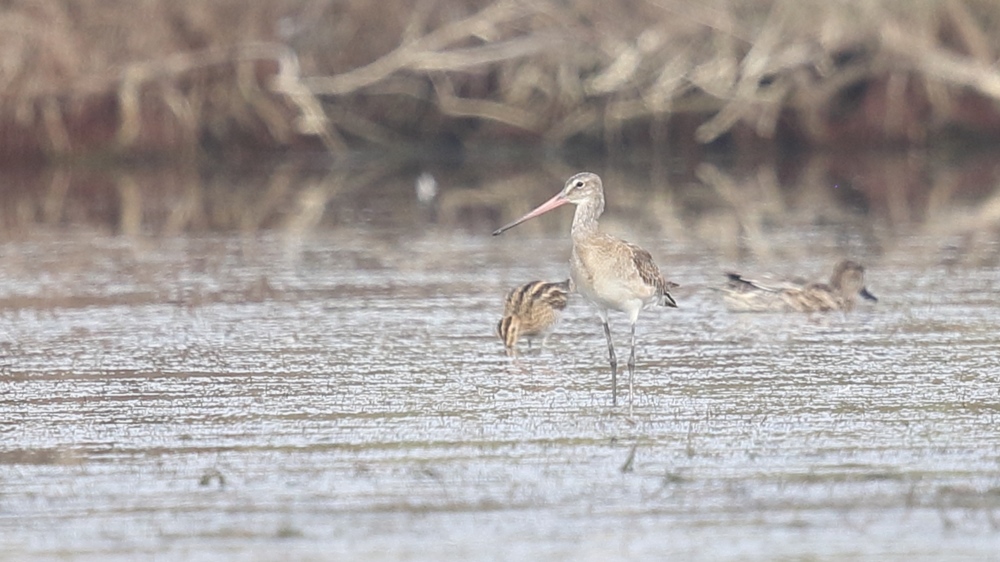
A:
532, 310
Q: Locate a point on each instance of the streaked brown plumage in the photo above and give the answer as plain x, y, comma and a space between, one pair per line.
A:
847, 282
609, 272
530, 311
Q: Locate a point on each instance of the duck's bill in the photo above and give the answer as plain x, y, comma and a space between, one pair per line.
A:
545, 207
865, 294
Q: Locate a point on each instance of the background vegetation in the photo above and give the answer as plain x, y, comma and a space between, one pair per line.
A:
168, 78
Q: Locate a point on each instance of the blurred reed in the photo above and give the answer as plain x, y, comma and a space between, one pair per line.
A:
174, 78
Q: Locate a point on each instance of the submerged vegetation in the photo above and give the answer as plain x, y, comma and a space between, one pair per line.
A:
179, 77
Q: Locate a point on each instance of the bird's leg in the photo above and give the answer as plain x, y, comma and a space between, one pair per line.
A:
614, 365
631, 370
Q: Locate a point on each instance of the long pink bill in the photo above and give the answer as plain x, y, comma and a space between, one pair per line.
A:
557, 201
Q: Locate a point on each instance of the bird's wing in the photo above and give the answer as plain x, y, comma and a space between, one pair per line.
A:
739, 282
650, 274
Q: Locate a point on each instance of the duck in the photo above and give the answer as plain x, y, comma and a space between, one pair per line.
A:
840, 293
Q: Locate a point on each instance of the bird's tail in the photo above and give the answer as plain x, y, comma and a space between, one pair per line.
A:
665, 298
508, 329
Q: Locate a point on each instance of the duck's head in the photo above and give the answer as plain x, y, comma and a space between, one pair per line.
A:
849, 277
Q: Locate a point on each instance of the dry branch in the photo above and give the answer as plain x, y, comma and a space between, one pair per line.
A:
554, 70
940, 64
427, 53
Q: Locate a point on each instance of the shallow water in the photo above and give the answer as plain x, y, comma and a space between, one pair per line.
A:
336, 392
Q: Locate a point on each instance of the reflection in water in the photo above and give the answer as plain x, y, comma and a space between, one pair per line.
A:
303, 362
738, 213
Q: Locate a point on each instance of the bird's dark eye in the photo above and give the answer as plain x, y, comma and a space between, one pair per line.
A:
579, 184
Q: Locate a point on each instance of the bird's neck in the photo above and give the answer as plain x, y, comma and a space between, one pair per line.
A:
840, 287
585, 218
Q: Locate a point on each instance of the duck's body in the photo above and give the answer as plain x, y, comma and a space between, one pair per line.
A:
530, 311
610, 273
847, 283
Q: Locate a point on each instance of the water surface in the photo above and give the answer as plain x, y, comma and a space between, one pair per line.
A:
323, 382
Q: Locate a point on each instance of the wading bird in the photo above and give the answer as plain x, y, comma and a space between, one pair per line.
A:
846, 284
610, 273
530, 311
